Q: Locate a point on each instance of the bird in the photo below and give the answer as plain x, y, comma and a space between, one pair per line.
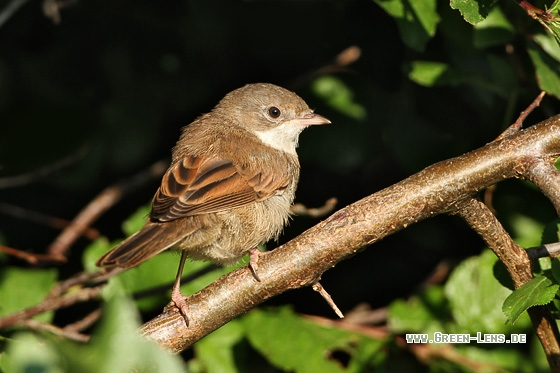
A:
230, 184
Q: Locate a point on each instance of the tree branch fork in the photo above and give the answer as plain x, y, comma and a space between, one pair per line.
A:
450, 186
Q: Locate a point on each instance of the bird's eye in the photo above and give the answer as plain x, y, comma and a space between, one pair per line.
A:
274, 112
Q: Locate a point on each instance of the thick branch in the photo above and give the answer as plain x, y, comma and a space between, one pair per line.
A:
437, 189
544, 175
518, 265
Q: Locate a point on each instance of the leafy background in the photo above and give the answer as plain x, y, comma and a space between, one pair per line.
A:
110, 86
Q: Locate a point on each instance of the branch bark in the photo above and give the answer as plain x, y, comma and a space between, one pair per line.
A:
441, 188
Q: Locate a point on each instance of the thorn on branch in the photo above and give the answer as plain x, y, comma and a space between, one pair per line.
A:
326, 296
515, 127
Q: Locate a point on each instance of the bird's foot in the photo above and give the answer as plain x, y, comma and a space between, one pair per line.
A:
180, 303
254, 255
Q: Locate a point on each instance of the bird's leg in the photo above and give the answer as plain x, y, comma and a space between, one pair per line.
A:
254, 254
176, 296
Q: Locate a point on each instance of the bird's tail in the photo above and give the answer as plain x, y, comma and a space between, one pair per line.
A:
139, 247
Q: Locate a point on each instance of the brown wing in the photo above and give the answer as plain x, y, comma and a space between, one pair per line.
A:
200, 185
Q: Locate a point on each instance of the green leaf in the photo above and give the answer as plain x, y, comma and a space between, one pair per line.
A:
503, 76
494, 30
160, 271
429, 73
93, 252
417, 20
22, 288
136, 220
115, 347
548, 43
216, 352
548, 18
526, 231
548, 70
337, 95
30, 353
473, 11
493, 359
422, 313
294, 344
476, 296
538, 291
553, 21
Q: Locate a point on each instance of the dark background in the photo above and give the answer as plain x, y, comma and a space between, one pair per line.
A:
110, 87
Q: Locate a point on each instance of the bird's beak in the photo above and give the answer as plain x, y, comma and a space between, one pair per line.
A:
310, 120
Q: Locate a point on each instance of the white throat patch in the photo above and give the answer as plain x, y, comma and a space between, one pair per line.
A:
284, 137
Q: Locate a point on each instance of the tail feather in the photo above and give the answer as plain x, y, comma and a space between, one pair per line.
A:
141, 246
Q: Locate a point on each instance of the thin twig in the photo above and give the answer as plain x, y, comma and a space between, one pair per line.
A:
62, 332
363, 314
40, 218
515, 127
83, 278
327, 297
314, 212
30, 258
51, 304
375, 332
551, 250
85, 322
10, 9
98, 206
28, 178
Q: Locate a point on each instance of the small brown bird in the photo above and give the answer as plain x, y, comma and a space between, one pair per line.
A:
231, 183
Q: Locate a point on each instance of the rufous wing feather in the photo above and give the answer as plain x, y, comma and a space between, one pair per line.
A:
202, 185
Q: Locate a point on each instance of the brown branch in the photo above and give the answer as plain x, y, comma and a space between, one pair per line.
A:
524, 114
544, 174
327, 297
518, 265
30, 258
84, 323
40, 218
62, 332
27, 178
485, 223
440, 188
59, 298
105, 200
51, 304
314, 212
